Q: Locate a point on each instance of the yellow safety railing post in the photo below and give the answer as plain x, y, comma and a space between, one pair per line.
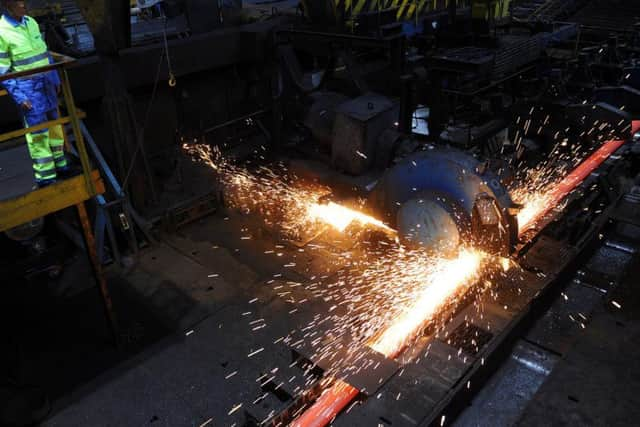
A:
77, 132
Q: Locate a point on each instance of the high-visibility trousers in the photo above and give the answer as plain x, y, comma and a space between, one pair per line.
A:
46, 146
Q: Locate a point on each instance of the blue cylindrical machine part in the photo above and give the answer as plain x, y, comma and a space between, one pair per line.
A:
453, 182
426, 223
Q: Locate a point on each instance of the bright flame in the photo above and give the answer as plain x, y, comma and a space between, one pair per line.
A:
450, 278
534, 193
340, 217
534, 204
506, 264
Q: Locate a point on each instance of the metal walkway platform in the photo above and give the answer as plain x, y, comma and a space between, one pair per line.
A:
16, 174
20, 199
25, 207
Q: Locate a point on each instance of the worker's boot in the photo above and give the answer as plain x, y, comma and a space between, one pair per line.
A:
41, 183
68, 171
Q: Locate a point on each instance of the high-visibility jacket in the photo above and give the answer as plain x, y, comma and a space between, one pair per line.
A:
23, 48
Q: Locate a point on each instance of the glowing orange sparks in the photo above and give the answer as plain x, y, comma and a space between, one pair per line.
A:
540, 204
534, 206
340, 217
449, 278
452, 277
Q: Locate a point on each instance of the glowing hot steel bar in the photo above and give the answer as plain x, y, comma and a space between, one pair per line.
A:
532, 214
454, 276
442, 286
548, 201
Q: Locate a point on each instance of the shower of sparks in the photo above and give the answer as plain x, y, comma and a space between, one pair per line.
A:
380, 300
396, 294
428, 286
384, 298
542, 196
537, 188
392, 289
533, 190
450, 277
275, 194
270, 192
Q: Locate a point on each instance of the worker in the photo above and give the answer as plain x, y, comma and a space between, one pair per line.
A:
22, 48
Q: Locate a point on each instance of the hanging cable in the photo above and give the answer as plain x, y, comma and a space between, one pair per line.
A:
146, 119
172, 77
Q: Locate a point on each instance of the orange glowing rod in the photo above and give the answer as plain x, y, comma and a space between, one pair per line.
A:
341, 394
571, 181
447, 281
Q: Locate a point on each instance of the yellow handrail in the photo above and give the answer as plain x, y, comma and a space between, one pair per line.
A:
21, 132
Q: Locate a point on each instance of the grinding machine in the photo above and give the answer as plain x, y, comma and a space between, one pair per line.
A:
437, 198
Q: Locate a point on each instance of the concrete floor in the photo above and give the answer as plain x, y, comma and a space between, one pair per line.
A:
212, 288
598, 382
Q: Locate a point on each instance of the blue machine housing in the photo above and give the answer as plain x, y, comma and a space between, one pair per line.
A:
456, 184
